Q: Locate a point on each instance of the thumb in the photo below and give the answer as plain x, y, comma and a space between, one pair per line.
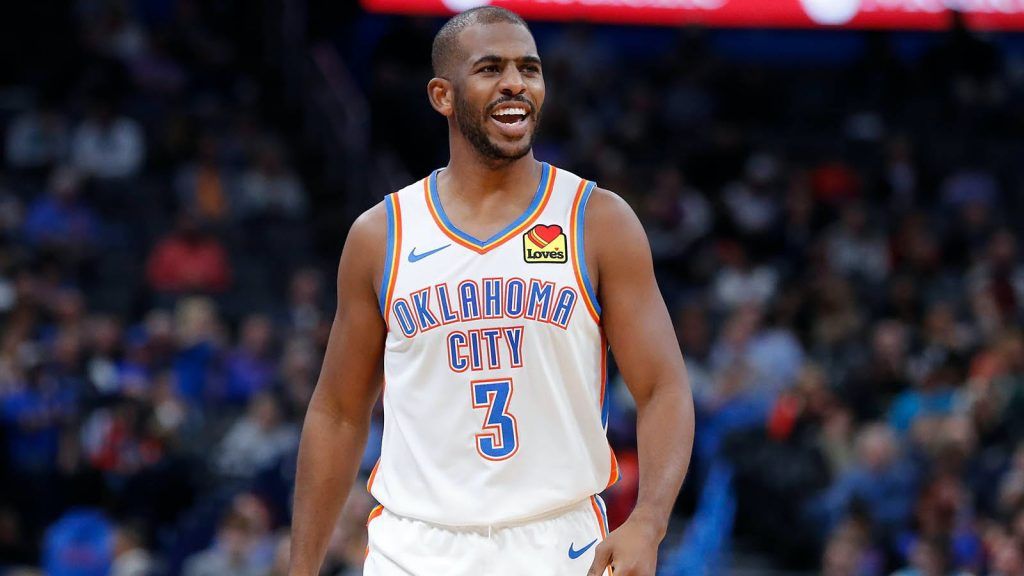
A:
602, 557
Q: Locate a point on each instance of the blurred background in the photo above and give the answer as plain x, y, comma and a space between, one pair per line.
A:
833, 191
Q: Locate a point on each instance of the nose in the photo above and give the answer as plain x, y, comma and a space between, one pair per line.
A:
512, 83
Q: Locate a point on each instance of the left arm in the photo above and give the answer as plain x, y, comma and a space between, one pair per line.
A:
638, 327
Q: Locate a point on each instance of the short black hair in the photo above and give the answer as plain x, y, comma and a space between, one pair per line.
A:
446, 43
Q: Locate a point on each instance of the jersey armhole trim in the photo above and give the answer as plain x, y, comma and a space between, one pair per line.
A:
579, 256
602, 521
392, 254
614, 475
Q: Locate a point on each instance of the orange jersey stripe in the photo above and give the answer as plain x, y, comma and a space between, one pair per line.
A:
373, 514
377, 511
373, 476
613, 476
604, 368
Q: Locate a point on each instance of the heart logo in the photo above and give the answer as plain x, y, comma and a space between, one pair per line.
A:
543, 235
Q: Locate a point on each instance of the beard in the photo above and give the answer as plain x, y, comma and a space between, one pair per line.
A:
472, 127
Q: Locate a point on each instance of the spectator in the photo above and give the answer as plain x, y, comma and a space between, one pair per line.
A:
1011, 487
117, 439
881, 480
116, 34
34, 415
257, 440
229, 554
752, 203
855, 250
188, 260
1000, 276
298, 374
107, 145
347, 546
849, 552
79, 544
305, 312
740, 281
202, 185
270, 190
255, 511
61, 221
173, 419
130, 556
871, 384
970, 186
677, 215
104, 339
249, 369
15, 549
933, 398
37, 139
1007, 555
282, 555
198, 344
930, 558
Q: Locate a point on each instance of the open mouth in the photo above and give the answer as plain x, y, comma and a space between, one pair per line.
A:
511, 119
511, 115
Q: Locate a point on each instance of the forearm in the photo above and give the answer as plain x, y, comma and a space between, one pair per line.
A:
665, 427
329, 455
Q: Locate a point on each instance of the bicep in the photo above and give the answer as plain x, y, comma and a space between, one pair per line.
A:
351, 375
634, 315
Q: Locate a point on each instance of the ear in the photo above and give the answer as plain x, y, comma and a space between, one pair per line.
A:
439, 92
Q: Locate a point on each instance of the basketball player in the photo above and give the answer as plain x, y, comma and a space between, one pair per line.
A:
486, 295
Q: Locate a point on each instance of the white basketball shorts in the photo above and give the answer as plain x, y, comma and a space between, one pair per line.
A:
558, 544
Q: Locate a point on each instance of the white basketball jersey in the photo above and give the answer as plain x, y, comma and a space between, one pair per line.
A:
494, 366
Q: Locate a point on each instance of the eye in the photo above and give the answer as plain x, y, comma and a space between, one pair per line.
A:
531, 68
490, 69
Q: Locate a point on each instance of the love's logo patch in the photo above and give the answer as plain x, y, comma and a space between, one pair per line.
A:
545, 244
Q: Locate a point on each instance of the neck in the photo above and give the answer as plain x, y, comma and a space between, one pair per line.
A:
469, 174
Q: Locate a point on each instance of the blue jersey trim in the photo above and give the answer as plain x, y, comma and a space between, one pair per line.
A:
604, 405
581, 254
389, 256
604, 511
538, 196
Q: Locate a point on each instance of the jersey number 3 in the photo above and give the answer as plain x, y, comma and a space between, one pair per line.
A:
500, 437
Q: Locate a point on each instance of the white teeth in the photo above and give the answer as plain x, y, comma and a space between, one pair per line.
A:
511, 112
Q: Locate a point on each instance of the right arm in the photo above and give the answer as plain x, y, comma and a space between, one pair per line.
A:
338, 420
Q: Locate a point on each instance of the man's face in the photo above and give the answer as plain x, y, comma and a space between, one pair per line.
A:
498, 90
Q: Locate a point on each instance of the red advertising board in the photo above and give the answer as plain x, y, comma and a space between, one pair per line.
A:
878, 14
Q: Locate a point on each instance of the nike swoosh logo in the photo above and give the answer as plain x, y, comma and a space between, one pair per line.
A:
574, 554
414, 257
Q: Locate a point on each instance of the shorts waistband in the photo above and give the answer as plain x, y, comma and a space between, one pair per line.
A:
487, 528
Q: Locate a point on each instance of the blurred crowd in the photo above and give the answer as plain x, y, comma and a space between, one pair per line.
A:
162, 310
839, 245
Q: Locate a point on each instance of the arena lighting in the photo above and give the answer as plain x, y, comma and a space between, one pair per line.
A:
862, 14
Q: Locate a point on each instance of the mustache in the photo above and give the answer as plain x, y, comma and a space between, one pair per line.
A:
520, 99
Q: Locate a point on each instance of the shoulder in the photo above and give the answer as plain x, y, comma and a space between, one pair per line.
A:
366, 246
371, 227
616, 240
612, 225
608, 208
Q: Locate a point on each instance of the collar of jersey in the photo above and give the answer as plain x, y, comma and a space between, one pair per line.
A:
540, 200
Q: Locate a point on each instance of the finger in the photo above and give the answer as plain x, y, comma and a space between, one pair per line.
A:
602, 555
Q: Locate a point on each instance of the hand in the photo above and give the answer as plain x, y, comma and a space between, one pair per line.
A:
630, 549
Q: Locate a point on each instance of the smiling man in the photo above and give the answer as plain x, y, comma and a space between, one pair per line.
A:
483, 299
